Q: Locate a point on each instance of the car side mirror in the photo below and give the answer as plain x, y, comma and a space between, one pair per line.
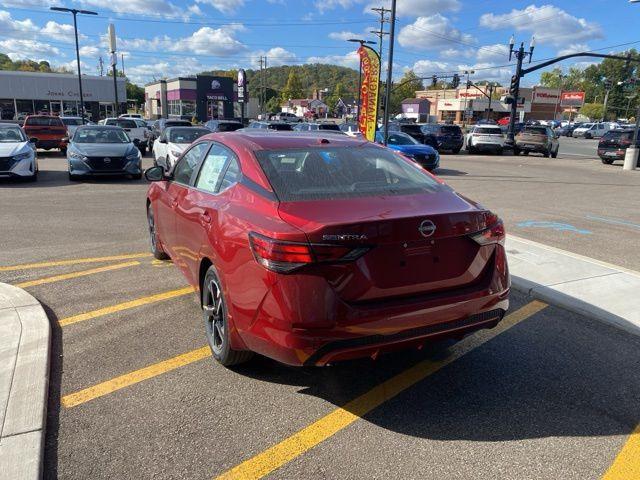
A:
154, 174
34, 140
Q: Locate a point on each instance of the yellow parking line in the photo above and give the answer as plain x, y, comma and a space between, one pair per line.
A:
307, 438
626, 466
134, 377
125, 306
82, 273
75, 261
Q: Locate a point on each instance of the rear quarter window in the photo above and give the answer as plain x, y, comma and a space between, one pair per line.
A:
44, 122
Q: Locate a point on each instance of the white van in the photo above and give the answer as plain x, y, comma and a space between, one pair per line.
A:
593, 130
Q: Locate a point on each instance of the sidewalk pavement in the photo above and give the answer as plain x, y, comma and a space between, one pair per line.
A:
24, 377
579, 284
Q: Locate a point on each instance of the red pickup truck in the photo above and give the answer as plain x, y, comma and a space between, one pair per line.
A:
49, 131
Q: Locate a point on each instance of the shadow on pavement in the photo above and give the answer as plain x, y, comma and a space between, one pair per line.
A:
59, 178
450, 172
555, 374
53, 406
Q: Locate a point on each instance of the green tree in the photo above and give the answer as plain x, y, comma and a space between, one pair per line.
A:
405, 88
135, 92
293, 88
337, 93
592, 110
273, 105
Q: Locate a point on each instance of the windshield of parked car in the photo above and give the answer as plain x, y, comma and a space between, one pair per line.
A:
177, 123
72, 121
100, 135
398, 138
349, 127
341, 172
450, 129
618, 135
328, 126
11, 135
411, 128
280, 126
535, 130
186, 134
43, 122
121, 122
229, 126
488, 131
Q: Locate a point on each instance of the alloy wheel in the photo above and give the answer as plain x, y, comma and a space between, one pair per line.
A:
214, 316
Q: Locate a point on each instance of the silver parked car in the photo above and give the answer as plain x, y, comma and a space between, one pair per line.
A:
18, 157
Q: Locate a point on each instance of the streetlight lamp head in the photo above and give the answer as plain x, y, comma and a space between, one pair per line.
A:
532, 45
512, 41
60, 9
87, 12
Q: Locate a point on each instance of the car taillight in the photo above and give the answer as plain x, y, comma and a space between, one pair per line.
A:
283, 256
495, 233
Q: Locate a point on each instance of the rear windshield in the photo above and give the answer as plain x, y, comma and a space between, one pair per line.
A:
488, 131
415, 129
121, 122
186, 134
535, 130
341, 172
617, 135
72, 121
44, 122
229, 126
177, 123
450, 129
280, 126
328, 126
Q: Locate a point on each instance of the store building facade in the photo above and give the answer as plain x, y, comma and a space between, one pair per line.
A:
26, 93
203, 97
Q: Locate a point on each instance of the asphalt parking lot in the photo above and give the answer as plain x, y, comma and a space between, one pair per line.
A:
135, 394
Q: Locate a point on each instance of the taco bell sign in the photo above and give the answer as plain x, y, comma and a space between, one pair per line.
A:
242, 86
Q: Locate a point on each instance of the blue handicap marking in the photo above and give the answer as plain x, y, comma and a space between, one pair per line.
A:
561, 227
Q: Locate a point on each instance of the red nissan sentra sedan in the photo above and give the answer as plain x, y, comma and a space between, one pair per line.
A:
313, 249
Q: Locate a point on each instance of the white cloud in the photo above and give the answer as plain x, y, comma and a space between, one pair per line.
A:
350, 60
146, 72
62, 32
324, 5
432, 33
162, 8
483, 71
28, 49
224, 6
417, 8
89, 51
549, 24
344, 35
573, 48
204, 41
276, 57
25, 3
11, 26
195, 10
493, 53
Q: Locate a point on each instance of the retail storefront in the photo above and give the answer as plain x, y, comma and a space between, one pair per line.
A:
204, 97
25, 93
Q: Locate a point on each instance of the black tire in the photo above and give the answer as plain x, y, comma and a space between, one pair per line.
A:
216, 316
546, 154
525, 152
137, 176
74, 178
499, 151
456, 151
156, 247
588, 135
471, 150
63, 151
555, 154
607, 161
143, 149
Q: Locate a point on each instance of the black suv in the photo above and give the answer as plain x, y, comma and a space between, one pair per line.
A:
613, 145
410, 129
160, 125
443, 137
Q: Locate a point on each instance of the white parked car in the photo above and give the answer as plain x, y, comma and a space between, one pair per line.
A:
18, 157
594, 130
287, 117
172, 142
134, 128
485, 138
130, 115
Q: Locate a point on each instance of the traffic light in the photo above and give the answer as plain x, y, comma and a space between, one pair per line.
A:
455, 83
434, 81
515, 84
468, 84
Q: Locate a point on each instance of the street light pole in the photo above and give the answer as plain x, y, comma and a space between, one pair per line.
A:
361, 42
555, 110
520, 55
75, 12
392, 31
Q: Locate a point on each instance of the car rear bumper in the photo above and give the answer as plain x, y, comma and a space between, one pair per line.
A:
487, 146
448, 145
531, 147
612, 154
346, 331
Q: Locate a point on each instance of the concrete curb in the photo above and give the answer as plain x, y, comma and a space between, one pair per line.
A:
25, 337
582, 285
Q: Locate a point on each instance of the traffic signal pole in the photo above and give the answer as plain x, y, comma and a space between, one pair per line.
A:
514, 91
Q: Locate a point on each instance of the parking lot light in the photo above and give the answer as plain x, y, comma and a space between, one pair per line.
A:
75, 13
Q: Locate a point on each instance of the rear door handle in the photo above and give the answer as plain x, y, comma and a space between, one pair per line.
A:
205, 218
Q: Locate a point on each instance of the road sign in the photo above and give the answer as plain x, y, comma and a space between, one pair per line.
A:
572, 99
242, 84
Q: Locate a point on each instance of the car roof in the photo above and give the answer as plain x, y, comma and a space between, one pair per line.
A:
260, 140
5, 125
99, 127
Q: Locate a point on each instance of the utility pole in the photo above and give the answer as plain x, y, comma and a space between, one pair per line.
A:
114, 62
466, 97
555, 110
607, 84
101, 66
491, 88
514, 90
122, 60
392, 32
75, 13
380, 34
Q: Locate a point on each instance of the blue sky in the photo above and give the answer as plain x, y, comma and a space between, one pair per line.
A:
167, 38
